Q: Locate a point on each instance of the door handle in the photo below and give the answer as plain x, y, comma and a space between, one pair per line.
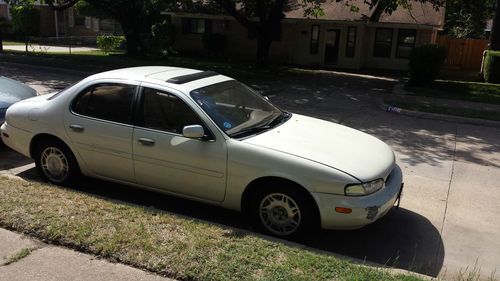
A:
76, 128
145, 141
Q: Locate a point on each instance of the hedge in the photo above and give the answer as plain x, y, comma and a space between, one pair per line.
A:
492, 67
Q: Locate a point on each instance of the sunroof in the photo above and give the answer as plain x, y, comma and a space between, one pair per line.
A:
191, 77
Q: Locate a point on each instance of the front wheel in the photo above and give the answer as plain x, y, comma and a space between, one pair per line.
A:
283, 212
56, 164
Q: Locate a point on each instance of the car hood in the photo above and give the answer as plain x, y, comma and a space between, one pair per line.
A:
351, 151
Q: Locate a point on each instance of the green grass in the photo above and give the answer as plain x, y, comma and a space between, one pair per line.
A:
18, 256
11, 43
97, 61
165, 243
432, 108
458, 90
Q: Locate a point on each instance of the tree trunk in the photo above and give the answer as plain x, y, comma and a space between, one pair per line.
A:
263, 47
495, 30
133, 37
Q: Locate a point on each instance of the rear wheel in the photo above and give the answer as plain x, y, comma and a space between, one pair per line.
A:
283, 212
56, 163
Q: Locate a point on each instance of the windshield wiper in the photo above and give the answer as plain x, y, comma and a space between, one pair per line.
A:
251, 131
284, 116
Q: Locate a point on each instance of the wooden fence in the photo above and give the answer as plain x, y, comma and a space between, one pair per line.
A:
463, 54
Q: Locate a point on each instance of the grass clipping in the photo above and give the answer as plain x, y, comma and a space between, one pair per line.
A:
162, 242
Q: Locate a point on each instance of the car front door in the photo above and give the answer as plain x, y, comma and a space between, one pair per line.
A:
165, 159
99, 125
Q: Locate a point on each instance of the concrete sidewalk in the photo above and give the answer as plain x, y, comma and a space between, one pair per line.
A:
23, 258
48, 48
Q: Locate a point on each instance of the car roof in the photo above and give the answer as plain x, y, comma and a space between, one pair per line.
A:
182, 79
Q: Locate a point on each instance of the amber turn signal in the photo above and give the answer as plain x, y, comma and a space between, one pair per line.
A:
343, 210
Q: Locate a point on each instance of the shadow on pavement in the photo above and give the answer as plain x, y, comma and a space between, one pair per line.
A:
9, 159
402, 239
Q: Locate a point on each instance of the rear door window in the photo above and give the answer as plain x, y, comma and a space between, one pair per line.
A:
111, 102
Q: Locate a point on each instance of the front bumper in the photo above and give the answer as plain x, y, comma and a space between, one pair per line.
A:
17, 139
365, 209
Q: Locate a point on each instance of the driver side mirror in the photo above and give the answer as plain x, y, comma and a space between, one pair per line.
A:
193, 131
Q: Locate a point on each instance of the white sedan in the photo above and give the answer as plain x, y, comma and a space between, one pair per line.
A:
205, 136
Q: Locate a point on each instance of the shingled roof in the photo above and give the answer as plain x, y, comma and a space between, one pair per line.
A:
420, 14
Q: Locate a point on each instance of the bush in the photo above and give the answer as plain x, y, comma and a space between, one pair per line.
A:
109, 43
25, 20
425, 63
214, 43
492, 67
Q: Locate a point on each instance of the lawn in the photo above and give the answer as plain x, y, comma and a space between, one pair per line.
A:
458, 90
97, 61
11, 43
434, 108
165, 243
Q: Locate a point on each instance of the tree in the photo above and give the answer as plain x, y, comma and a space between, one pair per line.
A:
467, 18
270, 13
4, 25
495, 30
134, 16
25, 21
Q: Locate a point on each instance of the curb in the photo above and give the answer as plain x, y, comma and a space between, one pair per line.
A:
442, 117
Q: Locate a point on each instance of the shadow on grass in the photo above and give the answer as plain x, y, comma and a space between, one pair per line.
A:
403, 239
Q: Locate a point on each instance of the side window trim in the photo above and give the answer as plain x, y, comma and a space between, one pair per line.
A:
138, 113
91, 86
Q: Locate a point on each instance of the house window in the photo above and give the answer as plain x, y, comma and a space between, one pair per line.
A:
350, 48
383, 43
314, 47
196, 26
406, 42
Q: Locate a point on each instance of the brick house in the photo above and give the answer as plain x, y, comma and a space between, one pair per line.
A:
341, 38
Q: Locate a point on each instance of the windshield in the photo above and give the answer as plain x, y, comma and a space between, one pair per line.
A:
235, 107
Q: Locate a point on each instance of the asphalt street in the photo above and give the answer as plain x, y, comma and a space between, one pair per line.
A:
448, 219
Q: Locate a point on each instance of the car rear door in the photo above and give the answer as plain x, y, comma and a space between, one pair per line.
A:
99, 125
165, 159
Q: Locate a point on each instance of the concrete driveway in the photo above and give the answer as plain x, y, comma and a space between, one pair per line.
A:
449, 216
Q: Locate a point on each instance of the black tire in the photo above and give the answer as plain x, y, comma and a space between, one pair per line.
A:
306, 224
72, 174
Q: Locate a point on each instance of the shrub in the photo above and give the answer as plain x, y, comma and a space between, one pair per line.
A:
492, 67
109, 43
25, 20
214, 43
425, 63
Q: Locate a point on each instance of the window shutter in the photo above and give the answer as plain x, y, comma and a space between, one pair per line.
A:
95, 24
71, 18
186, 25
88, 22
208, 26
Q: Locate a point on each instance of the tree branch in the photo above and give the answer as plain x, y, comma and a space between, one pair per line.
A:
59, 6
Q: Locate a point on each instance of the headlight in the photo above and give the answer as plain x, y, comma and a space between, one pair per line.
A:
364, 188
